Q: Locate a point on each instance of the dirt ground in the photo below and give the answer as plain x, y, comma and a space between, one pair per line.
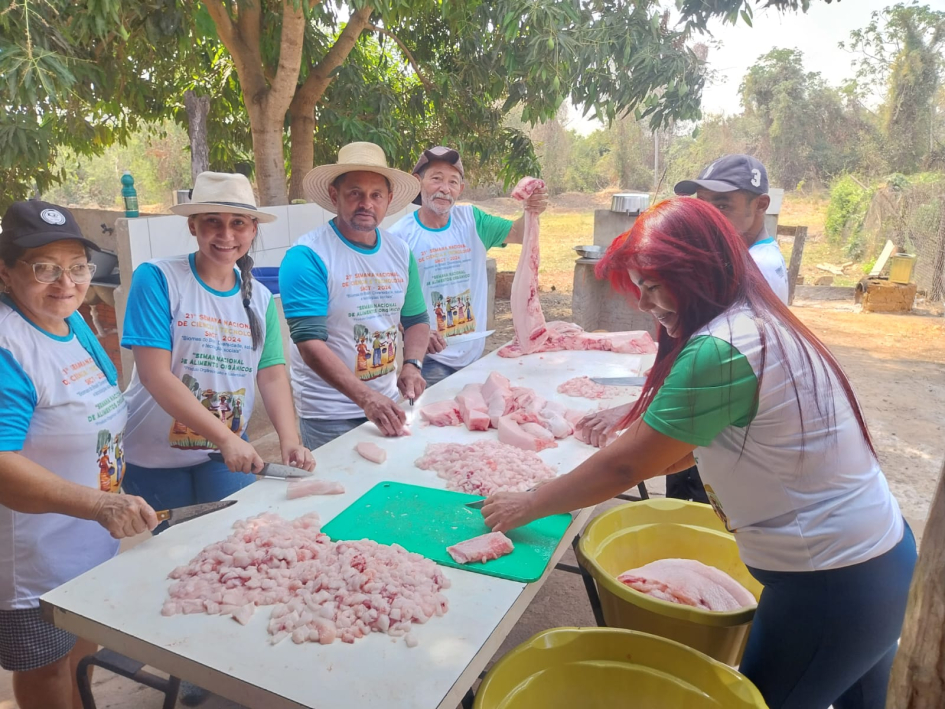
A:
897, 366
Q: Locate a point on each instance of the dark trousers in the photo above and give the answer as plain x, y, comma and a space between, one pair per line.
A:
686, 485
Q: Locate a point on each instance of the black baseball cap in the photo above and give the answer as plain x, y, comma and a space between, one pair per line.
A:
35, 223
727, 174
440, 152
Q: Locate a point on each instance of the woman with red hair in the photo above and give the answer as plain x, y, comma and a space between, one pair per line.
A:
747, 391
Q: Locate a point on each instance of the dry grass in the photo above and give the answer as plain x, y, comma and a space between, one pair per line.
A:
569, 222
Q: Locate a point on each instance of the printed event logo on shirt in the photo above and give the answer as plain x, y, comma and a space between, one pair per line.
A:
225, 405
454, 314
377, 352
717, 506
111, 461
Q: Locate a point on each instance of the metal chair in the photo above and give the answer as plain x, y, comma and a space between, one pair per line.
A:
126, 667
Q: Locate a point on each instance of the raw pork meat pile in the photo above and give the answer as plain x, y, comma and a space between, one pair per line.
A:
484, 467
584, 387
568, 336
690, 583
322, 590
483, 548
522, 418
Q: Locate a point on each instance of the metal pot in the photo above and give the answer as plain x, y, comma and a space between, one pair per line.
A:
629, 202
591, 252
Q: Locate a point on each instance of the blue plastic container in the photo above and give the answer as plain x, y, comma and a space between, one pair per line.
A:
268, 276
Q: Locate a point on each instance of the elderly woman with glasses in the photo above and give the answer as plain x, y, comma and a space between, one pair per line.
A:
62, 418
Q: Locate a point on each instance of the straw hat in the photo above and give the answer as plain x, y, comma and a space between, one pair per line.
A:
355, 157
222, 192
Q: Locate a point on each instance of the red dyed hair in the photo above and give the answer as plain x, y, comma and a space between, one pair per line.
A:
695, 254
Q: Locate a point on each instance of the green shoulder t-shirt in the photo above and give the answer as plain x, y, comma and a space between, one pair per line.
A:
492, 230
710, 387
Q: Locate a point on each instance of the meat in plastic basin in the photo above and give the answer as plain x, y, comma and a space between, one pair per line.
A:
632, 535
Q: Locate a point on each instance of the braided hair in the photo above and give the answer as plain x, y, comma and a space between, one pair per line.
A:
245, 264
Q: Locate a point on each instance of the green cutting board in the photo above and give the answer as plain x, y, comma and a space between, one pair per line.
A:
425, 520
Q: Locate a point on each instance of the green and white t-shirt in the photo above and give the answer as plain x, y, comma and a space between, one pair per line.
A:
799, 497
452, 266
207, 333
362, 293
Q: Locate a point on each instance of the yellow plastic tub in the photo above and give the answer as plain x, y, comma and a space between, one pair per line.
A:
625, 537
901, 267
604, 668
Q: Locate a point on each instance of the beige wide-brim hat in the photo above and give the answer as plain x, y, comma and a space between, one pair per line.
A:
360, 157
222, 192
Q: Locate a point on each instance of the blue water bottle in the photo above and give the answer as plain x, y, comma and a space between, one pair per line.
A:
129, 195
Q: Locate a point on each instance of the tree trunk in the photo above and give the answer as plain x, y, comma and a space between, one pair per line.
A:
267, 91
307, 96
938, 265
918, 674
302, 156
269, 156
197, 109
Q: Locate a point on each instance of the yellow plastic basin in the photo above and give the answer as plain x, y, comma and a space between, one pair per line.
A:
604, 668
627, 537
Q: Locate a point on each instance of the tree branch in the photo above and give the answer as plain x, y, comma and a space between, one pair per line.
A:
249, 27
286, 77
248, 68
413, 62
319, 76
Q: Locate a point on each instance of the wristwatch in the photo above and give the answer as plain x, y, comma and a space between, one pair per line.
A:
416, 363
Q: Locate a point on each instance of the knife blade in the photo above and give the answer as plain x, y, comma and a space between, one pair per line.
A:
477, 504
183, 514
620, 381
272, 471
467, 337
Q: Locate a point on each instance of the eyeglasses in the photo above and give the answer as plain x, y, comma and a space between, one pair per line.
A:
50, 272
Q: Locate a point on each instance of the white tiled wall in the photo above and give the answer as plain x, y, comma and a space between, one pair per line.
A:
160, 237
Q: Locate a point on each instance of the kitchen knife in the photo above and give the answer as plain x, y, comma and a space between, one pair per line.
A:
467, 337
620, 381
477, 504
272, 471
182, 514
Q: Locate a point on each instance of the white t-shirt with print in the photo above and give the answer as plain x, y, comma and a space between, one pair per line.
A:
452, 266
207, 333
63, 410
362, 292
799, 497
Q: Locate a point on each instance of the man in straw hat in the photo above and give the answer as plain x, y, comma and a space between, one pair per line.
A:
343, 282
450, 244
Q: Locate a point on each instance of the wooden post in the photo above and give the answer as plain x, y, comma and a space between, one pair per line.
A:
797, 253
918, 674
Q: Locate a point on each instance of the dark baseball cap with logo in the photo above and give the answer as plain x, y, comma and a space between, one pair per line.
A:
727, 174
34, 223
439, 153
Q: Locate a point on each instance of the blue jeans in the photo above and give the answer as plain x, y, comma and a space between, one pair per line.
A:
318, 432
829, 637
166, 488
434, 371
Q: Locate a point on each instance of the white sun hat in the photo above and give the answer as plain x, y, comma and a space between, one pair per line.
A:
222, 192
360, 157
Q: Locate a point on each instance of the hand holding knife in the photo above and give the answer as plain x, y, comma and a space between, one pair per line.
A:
272, 471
